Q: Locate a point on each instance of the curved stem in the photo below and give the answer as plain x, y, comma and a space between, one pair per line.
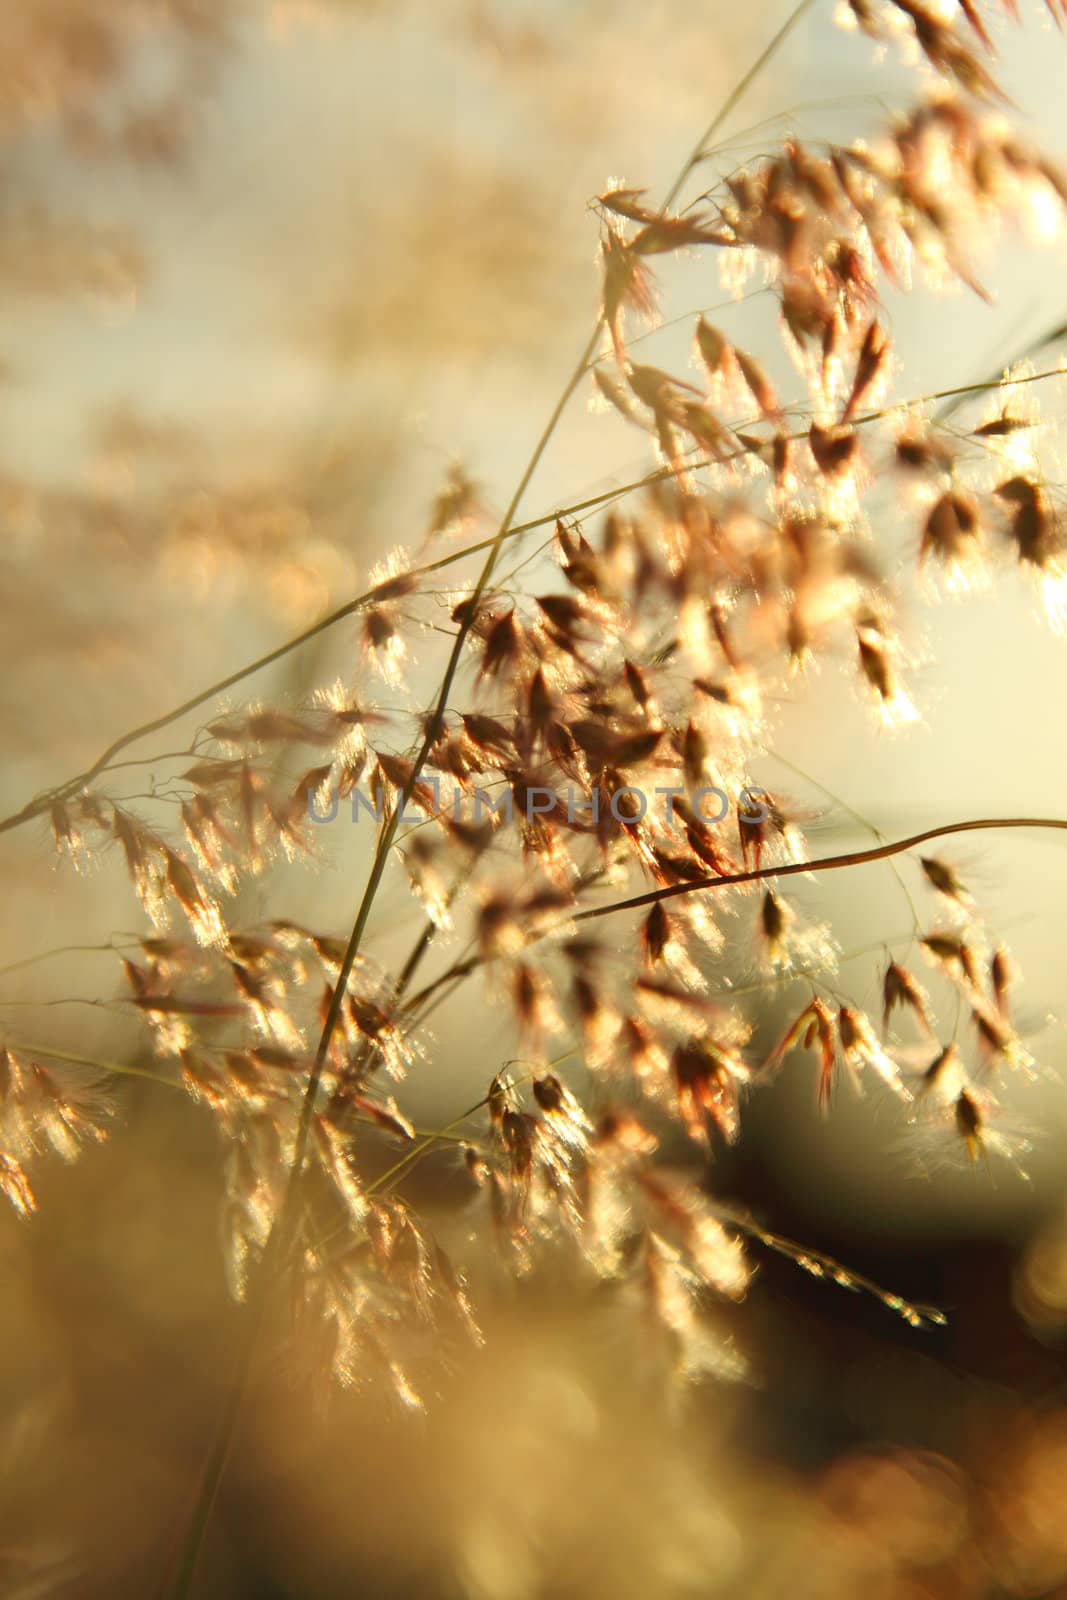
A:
738, 92
277, 1248
277, 1244
115, 1068
851, 858
856, 817
788, 869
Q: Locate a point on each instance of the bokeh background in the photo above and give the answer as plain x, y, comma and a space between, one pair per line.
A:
267, 272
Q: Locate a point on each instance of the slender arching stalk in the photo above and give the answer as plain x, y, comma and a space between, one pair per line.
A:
885, 851
277, 1248
790, 869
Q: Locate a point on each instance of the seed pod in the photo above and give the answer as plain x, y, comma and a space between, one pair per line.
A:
772, 916
519, 1131
656, 933
502, 646
921, 452
1002, 976
627, 282
637, 684
944, 1070
944, 879
694, 755
951, 529
875, 667
1034, 529
869, 367
548, 1092
970, 1123
833, 449
759, 385
626, 203
715, 351
562, 610
707, 1088
899, 987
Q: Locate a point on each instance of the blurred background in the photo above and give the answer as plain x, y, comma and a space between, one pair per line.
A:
267, 272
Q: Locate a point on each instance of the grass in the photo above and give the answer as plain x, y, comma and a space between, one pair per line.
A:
749, 556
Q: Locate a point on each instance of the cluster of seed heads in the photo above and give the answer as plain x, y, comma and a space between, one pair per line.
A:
650, 655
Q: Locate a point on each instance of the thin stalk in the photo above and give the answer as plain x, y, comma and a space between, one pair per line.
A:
117, 1068
854, 858
863, 822
278, 1243
279, 1236
788, 869
179, 1580
820, 1265
433, 729
1052, 336
458, 969
738, 92
66, 949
